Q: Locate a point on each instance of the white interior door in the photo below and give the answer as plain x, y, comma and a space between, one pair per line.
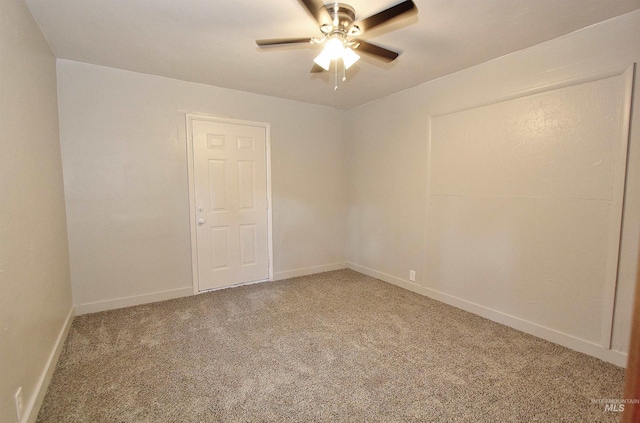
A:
230, 178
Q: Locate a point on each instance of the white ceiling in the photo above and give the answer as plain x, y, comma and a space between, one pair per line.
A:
212, 41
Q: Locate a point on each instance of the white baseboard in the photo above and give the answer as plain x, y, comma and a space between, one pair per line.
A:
35, 402
308, 271
116, 303
615, 357
411, 286
132, 301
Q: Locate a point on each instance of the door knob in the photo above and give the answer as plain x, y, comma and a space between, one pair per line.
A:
201, 221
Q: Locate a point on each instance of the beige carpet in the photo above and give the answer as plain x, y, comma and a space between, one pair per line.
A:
337, 346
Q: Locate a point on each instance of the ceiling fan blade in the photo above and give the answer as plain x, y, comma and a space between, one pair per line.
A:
280, 41
386, 15
377, 51
318, 11
317, 68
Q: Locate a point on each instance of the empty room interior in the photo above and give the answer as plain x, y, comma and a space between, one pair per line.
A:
204, 218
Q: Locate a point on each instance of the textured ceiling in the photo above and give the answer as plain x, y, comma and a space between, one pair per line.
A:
212, 41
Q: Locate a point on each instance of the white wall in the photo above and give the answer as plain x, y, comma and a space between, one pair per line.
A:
389, 231
125, 170
124, 153
35, 305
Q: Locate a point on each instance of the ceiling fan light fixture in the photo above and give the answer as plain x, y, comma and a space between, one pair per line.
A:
333, 50
338, 23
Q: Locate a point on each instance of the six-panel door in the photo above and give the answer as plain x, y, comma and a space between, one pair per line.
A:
231, 203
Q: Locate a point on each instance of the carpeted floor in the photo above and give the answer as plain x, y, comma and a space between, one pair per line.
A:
337, 346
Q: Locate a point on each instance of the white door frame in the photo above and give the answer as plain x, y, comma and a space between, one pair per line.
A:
190, 117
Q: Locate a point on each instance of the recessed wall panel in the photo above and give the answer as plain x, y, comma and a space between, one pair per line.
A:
558, 143
538, 259
524, 206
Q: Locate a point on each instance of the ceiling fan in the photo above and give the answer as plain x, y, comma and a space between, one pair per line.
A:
337, 25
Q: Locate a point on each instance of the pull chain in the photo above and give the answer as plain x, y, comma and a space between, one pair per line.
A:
344, 74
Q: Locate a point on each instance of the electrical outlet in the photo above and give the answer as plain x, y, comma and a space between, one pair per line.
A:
17, 398
412, 275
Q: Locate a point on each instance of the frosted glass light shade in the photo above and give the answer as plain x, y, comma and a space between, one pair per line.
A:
333, 50
323, 60
349, 57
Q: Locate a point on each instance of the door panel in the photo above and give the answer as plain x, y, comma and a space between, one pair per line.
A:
219, 247
246, 188
248, 243
231, 203
218, 185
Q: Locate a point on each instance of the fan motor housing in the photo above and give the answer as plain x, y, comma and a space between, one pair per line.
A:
343, 17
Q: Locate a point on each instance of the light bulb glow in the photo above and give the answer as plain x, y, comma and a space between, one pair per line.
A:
334, 48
